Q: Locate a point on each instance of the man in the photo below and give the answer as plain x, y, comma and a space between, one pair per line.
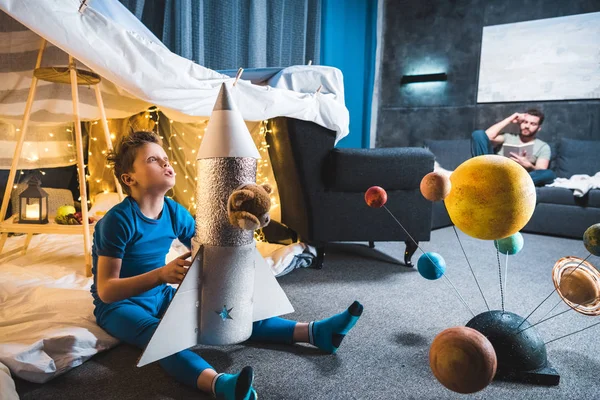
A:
530, 123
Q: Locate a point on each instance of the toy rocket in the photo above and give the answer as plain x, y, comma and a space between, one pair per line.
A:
229, 285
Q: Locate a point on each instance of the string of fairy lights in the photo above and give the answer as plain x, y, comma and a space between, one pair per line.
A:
181, 150
35, 156
181, 142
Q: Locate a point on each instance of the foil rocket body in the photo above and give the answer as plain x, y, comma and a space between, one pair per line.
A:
229, 285
226, 160
226, 303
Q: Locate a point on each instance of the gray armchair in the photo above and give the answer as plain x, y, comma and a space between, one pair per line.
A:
322, 188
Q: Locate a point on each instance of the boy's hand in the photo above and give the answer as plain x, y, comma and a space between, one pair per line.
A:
174, 271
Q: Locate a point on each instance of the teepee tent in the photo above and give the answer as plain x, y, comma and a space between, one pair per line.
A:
134, 73
139, 70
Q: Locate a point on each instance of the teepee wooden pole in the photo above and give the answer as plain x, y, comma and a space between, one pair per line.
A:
106, 132
19, 146
81, 168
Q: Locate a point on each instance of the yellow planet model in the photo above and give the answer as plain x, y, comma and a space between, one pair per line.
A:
492, 197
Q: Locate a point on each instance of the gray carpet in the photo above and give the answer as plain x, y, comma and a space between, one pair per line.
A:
386, 355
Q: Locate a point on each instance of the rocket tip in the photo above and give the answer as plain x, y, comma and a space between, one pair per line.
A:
224, 100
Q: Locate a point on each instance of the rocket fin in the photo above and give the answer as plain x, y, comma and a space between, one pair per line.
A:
269, 298
178, 328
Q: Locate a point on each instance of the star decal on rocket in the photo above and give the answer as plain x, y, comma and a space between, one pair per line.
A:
224, 313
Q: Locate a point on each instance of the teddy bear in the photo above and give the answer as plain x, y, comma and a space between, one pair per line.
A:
248, 206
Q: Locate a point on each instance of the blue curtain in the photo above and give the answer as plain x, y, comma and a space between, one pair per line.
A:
349, 38
228, 34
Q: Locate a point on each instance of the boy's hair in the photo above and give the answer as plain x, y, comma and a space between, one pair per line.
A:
536, 113
122, 158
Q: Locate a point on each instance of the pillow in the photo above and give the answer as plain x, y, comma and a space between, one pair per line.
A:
450, 153
577, 157
102, 203
56, 198
553, 155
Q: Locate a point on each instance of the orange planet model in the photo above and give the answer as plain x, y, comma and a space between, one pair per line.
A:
462, 359
376, 197
492, 197
435, 186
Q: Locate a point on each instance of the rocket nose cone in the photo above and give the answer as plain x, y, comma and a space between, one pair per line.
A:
224, 100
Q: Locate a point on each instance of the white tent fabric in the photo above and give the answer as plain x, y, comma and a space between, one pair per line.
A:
138, 71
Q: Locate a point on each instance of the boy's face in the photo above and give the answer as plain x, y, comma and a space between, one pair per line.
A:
152, 171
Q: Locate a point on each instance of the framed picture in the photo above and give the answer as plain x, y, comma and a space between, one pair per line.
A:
546, 59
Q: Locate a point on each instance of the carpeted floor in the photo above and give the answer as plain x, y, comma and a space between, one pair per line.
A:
386, 355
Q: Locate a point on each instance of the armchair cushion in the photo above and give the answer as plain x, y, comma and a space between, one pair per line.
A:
355, 170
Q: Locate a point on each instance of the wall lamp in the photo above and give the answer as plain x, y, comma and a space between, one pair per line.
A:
442, 76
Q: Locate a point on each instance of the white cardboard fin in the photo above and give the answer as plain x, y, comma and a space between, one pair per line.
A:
269, 298
178, 328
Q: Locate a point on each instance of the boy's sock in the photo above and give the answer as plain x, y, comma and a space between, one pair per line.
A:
328, 334
235, 386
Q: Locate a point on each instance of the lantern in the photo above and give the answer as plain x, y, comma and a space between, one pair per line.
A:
33, 203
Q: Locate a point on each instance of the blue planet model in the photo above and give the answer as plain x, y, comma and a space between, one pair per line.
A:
431, 266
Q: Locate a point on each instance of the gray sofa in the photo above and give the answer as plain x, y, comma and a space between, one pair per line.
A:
558, 212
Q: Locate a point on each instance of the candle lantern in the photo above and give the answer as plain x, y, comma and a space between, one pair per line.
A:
33, 203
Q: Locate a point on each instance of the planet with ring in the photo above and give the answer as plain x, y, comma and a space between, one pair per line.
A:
578, 284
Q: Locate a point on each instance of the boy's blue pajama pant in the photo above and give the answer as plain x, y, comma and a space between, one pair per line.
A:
134, 321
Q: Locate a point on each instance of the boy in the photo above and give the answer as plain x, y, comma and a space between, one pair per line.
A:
130, 288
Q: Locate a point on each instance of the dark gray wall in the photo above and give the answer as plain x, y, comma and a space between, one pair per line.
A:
446, 35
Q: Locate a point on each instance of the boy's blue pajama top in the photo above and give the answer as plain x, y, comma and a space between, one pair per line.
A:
142, 244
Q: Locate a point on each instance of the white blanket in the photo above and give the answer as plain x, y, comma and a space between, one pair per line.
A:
47, 324
140, 70
7, 386
580, 184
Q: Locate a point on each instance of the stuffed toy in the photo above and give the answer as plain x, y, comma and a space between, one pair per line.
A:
248, 207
